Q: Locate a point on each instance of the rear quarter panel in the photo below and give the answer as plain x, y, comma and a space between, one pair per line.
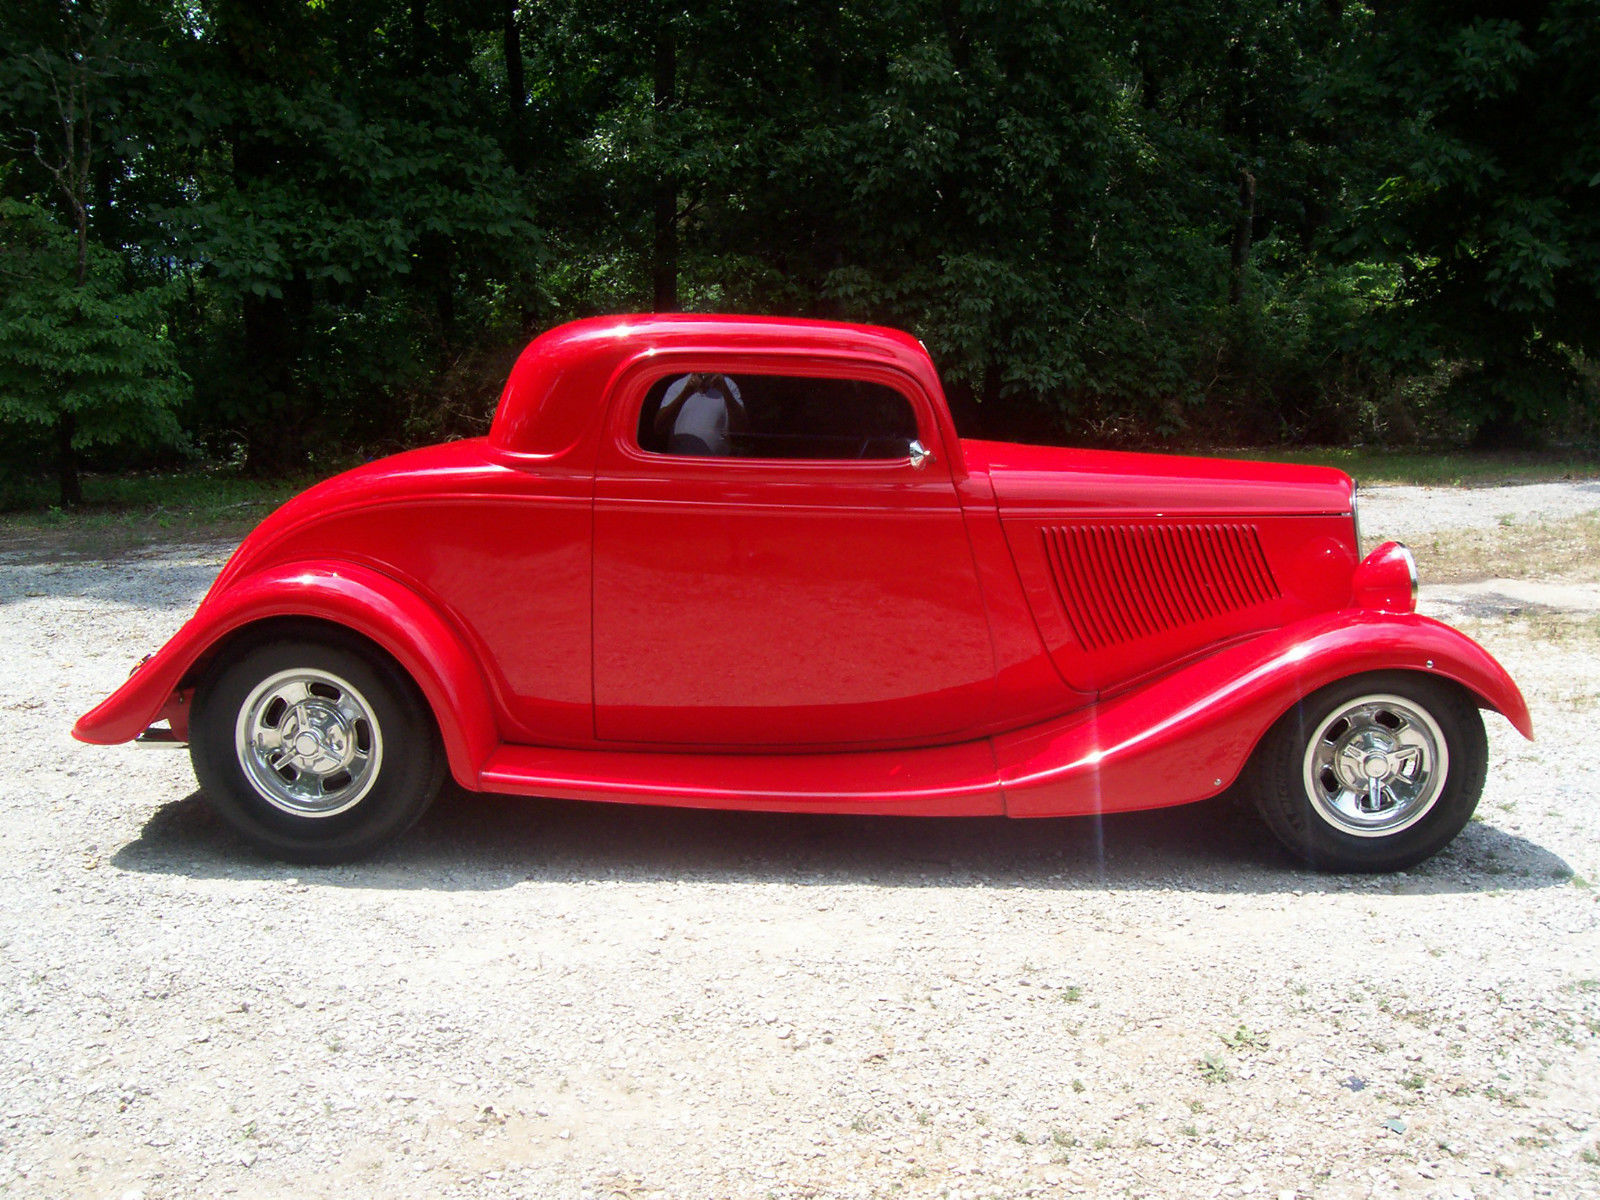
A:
510, 571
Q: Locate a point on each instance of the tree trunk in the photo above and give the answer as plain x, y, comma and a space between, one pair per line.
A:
67, 462
1243, 226
80, 219
419, 35
516, 81
435, 273
827, 232
664, 258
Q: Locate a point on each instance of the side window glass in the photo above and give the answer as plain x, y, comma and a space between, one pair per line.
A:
775, 416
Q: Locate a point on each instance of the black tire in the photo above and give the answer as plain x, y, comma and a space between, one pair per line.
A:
361, 764
1302, 775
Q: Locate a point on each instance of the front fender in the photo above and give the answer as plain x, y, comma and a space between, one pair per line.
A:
1187, 735
358, 598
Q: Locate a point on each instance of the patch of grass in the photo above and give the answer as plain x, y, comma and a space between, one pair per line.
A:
1214, 1068
123, 512
1375, 466
1501, 1096
1567, 548
1063, 1139
1565, 631
1245, 1038
1070, 994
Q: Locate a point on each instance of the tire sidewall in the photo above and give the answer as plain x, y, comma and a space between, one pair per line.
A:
409, 775
1279, 779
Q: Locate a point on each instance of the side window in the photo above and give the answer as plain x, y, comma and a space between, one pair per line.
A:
775, 416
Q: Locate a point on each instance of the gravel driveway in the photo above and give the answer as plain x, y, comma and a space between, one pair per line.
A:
547, 999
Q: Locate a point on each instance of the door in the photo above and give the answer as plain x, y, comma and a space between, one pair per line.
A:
777, 565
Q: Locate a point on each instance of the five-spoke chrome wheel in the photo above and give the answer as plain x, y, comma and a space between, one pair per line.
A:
309, 743
1376, 765
317, 747
1372, 773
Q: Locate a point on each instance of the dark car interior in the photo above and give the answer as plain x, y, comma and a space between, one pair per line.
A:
782, 417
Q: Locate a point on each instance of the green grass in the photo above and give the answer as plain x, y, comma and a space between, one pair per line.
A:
1375, 466
122, 512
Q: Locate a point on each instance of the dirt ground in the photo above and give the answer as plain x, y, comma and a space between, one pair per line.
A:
544, 999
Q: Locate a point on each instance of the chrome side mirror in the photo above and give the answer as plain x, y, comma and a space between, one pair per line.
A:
921, 456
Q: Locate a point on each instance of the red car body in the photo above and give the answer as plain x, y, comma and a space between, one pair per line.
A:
998, 629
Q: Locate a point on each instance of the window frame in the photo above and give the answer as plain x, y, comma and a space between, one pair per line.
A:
633, 385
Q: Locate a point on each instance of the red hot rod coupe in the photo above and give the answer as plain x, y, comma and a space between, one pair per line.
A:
736, 562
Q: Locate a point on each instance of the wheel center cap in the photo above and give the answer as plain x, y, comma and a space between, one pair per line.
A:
1376, 766
307, 745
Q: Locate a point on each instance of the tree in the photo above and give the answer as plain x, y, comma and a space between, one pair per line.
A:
1490, 205
78, 352
345, 210
80, 358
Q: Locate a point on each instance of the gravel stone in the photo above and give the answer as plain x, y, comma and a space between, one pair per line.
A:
558, 1000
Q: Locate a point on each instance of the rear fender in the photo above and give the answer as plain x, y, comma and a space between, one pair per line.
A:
1187, 735
356, 598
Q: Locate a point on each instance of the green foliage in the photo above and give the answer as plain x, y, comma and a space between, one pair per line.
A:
1253, 221
95, 352
1491, 203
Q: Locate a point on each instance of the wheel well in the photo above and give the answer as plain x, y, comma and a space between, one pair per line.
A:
297, 629
1432, 679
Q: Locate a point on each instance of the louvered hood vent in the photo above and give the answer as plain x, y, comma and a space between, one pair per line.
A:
1122, 582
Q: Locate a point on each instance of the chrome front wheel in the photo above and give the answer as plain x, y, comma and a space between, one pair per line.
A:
1376, 765
1374, 773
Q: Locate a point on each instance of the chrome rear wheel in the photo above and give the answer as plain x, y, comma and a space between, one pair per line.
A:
309, 743
316, 749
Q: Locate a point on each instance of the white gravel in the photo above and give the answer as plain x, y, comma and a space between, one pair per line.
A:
543, 999
1401, 512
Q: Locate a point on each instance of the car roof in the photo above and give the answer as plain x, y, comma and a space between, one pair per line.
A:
552, 396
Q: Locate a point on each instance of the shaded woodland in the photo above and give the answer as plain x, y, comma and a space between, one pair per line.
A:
287, 235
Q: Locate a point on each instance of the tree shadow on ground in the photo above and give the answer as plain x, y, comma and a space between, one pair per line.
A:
471, 842
160, 577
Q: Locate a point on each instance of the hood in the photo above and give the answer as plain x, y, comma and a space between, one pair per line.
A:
1134, 562
1110, 484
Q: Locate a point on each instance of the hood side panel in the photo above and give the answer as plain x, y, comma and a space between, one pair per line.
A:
1107, 484
1134, 562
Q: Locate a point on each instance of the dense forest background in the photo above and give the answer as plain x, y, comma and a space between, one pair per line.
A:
289, 233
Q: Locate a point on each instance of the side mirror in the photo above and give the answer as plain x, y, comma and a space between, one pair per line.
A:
921, 456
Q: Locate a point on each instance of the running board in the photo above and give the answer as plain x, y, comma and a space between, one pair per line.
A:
956, 780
